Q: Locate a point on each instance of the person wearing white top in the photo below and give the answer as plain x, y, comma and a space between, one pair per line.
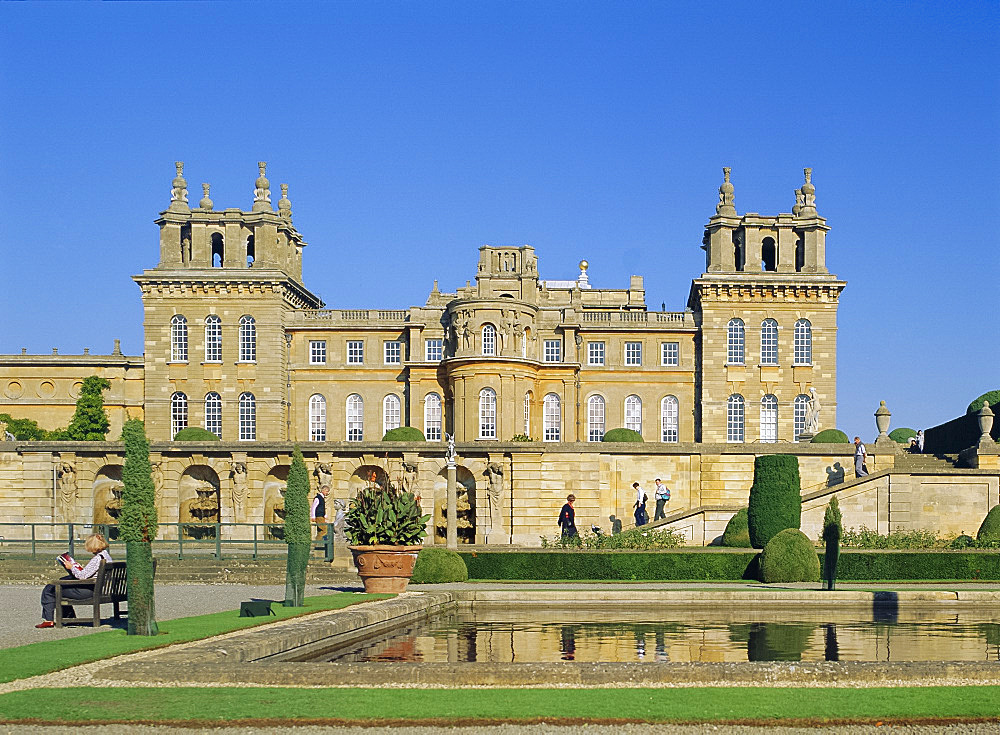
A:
860, 455
96, 545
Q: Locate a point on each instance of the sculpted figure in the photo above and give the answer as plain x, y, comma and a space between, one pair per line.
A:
157, 473
409, 477
323, 475
494, 472
450, 438
506, 331
67, 483
240, 481
812, 413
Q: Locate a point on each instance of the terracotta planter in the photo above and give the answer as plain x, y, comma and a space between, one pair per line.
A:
385, 568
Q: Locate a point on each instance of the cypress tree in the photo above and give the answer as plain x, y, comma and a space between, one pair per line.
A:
775, 497
137, 526
298, 531
90, 422
832, 532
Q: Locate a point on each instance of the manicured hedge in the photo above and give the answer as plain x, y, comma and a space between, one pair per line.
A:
737, 533
789, 557
831, 436
720, 565
195, 434
992, 396
902, 435
775, 497
404, 434
622, 435
437, 566
990, 528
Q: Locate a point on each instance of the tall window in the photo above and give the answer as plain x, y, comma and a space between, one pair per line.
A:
487, 414
595, 353
670, 354
489, 339
735, 342
527, 413
799, 410
553, 350
213, 338
432, 417
355, 418
248, 417
213, 414
317, 418
317, 352
355, 352
178, 339
769, 419
393, 352
735, 418
595, 418
633, 413
551, 418
669, 425
433, 350
248, 339
390, 413
769, 342
178, 413
803, 340
633, 353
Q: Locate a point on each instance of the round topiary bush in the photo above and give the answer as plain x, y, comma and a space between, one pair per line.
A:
195, 434
737, 534
775, 497
992, 396
964, 541
622, 435
902, 435
404, 434
831, 436
437, 566
789, 557
990, 530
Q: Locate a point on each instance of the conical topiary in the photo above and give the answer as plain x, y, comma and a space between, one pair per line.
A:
775, 497
298, 531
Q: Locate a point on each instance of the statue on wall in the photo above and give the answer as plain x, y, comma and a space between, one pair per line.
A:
409, 478
157, 475
67, 483
340, 514
240, 481
494, 471
812, 413
323, 475
506, 331
451, 455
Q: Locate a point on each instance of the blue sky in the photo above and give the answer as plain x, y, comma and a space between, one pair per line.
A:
412, 133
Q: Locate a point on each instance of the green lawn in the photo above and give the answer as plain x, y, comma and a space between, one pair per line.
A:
703, 704
41, 658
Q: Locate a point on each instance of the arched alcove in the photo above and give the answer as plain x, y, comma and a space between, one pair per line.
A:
465, 505
198, 502
274, 501
218, 250
768, 255
365, 475
107, 494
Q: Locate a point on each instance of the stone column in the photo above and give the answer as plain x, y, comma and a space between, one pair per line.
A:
452, 533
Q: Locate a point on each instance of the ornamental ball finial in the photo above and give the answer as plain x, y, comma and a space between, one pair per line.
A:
584, 265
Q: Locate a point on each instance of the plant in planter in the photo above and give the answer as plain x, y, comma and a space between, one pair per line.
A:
384, 527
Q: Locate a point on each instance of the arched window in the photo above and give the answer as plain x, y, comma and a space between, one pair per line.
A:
739, 254
769, 419
489, 339
317, 418
735, 342
213, 338
251, 252
768, 255
669, 424
551, 418
390, 413
735, 418
799, 409
527, 413
178, 339
803, 340
218, 250
355, 418
487, 414
213, 413
178, 413
769, 342
248, 339
432, 417
595, 418
248, 417
633, 413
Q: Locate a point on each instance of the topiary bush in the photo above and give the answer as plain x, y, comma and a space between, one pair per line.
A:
789, 557
990, 530
992, 396
902, 435
831, 436
737, 534
622, 435
437, 566
964, 541
195, 434
775, 497
404, 434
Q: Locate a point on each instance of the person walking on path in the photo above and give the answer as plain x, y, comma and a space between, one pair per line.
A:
317, 512
860, 457
662, 496
567, 518
96, 545
641, 516
920, 441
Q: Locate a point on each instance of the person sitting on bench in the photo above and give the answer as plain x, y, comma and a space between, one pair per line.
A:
96, 545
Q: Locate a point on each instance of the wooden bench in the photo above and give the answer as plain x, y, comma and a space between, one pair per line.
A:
108, 587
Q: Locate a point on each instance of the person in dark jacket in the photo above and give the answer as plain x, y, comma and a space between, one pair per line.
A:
641, 516
567, 518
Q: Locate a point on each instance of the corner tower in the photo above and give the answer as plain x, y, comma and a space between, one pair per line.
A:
766, 308
215, 308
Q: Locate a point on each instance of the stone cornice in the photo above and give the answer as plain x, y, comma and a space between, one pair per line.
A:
217, 281
823, 289
127, 362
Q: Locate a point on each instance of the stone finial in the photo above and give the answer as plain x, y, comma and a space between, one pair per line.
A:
808, 208
726, 198
986, 423
118, 347
583, 281
800, 201
882, 416
179, 191
205, 202
262, 192
284, 204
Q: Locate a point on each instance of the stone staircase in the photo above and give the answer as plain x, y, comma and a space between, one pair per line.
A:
919, 463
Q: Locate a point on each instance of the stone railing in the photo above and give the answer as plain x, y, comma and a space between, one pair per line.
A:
352, 315
679, 318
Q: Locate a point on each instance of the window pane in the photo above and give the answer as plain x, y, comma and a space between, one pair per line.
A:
432, 417
553, 350
769, 342
633, 353
489, 340
248, 339
487, 414
551, 418
390, 413
803, 342
213, 339
355, 352
248, 417
213, 414
178, 339
317, 418
769, 419
178, 413
800, 408
670, 353
735, 418
595, 419
317, 352
355, 418
633, 413
433, 350
393, 353
595, 353
669, 419
735, 342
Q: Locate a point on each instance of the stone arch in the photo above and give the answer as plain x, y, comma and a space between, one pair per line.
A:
466, 505
107, 494
198, 502
275, 483
365, 474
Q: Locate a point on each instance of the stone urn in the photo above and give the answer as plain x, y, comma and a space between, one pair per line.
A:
385, 568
